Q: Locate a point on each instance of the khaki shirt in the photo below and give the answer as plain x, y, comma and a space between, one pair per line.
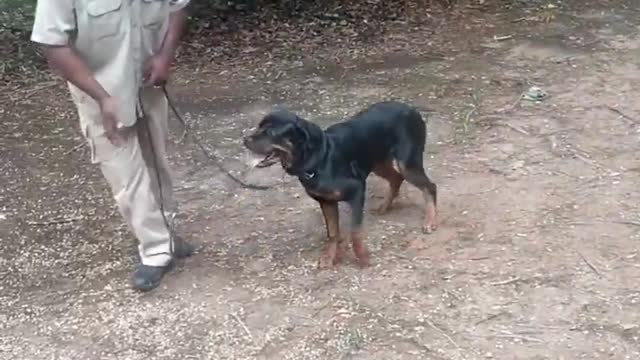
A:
114, 37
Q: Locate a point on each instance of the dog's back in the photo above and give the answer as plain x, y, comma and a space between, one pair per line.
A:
375, 133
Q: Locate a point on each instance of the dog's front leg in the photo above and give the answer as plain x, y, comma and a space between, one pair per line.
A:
356, 202
334, 251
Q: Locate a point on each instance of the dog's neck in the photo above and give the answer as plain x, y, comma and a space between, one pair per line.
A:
309, 152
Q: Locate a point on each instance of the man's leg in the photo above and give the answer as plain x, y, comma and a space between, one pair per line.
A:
129, 178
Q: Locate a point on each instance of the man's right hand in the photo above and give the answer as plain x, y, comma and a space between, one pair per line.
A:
109, 109
74, 69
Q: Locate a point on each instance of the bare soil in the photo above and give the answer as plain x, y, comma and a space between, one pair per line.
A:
536, 257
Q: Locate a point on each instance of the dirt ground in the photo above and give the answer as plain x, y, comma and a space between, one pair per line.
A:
536, 257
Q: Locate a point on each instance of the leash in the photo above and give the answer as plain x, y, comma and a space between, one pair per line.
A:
216, 161
142, 116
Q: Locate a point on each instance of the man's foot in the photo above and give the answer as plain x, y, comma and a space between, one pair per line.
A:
146, 278
181, 248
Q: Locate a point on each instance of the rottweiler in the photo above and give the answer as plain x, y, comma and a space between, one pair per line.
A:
387, 138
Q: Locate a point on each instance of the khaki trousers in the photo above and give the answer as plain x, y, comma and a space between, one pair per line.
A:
131, 173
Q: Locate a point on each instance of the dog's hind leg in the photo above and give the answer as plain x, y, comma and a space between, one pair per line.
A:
387, 171
410, 164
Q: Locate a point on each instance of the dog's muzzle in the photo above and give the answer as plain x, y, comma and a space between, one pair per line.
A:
268, 152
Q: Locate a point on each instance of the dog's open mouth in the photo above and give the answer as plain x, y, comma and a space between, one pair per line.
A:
268, 160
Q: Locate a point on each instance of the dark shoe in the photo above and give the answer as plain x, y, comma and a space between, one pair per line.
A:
181, 248
146, 278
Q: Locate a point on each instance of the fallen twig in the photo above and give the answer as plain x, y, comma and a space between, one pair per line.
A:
319, 309
185, 188
625, 116
246, 329
582, 158
521, 337
55, 222
490, 317
480, 258
38, 88
554, 132
502, 38
467, 118
514, 128
400, 255
492, 189
74, 149
183, 136
595, 269
584, 223
627, 222
516, 103
505, 282
434, 327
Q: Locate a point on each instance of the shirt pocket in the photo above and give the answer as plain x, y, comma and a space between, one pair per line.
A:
154, 13
105, 17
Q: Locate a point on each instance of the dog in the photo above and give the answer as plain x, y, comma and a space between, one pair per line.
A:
387, 138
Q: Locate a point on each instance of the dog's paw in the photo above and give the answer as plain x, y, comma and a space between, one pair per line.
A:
341, 254
325, 262
363, 261
362, 254
429, 227
431, 220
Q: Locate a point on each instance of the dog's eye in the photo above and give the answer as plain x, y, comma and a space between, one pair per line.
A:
309, 176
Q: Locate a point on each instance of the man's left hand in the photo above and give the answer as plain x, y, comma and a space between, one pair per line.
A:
156, 70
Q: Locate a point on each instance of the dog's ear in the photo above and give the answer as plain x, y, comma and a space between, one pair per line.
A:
310, 132
302, 131
282, 130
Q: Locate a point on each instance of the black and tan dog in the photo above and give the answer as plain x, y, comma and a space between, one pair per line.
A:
388, 139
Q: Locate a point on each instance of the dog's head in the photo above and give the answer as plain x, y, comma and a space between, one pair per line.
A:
282, 136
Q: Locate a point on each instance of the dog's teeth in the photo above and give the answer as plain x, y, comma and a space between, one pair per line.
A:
253, 162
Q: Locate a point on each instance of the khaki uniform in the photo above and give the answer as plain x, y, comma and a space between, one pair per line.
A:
115, 38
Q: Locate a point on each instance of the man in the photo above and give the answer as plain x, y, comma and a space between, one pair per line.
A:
114, 55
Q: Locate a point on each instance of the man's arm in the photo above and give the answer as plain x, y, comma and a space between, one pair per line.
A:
75, 70
176, 29
157, 67
54, 21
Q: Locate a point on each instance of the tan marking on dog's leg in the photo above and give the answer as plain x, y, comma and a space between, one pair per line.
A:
387, 171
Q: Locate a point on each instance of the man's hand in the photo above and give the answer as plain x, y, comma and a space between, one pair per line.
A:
156, 70
109, 109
